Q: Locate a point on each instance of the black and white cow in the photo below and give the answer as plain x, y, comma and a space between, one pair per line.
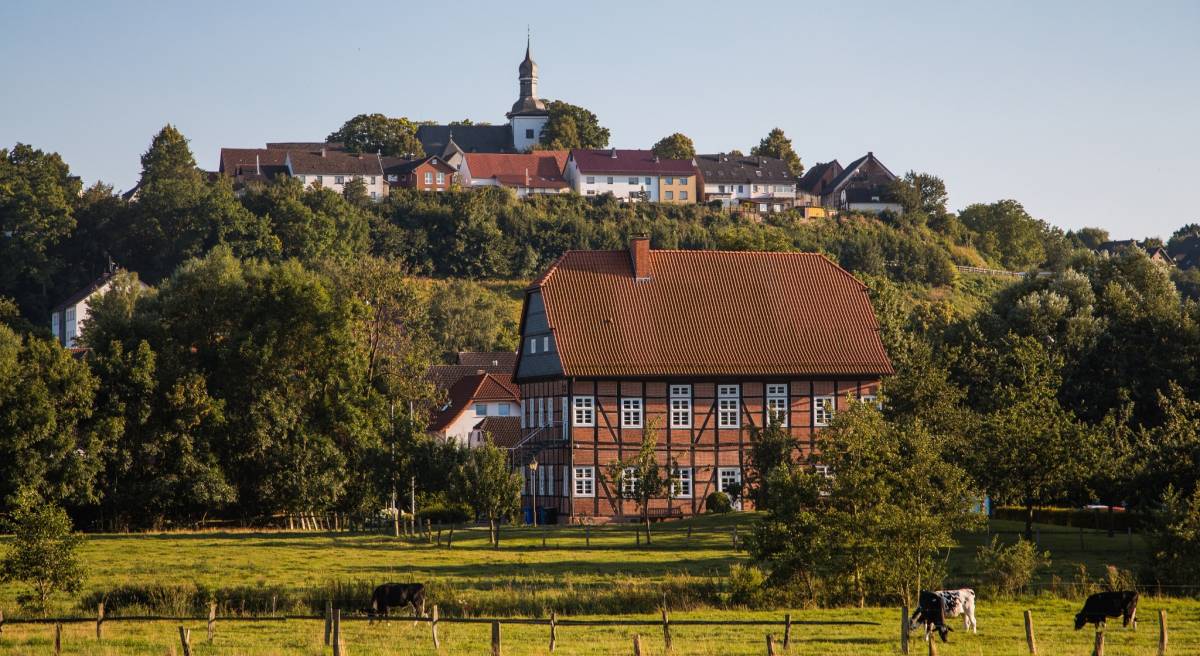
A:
934, 607
1103, 605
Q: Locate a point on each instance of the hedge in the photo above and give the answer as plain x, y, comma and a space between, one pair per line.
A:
1074, 517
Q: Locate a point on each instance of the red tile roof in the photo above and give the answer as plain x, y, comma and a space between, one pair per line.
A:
629, 161
505, 431
542, 169
334, 162
503, 361
473, 388
710, 313
236, 160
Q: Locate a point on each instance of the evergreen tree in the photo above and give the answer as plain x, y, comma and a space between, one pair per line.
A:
777, 145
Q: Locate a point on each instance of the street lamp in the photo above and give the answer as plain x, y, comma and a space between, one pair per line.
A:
533, 465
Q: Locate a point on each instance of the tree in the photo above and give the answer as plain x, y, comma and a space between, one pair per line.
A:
868, 529
1091, 237
675, 146
1006, 233
771, 448
467, 316
572, 126
42, 552
313, 223
37, 201
49, 441
489, 486
1173, 536
641, 479
777, 145
376, 133
921, 192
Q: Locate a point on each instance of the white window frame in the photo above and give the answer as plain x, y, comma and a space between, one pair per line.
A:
777, 403
339, 179
729, 406
481, 406
682, 483
545, 343
584, 482
549, 479
541, 481
532, 345
591, 179
441, 178
583, 411
873, 399
681, 406
629, 481
429, 177
733, 474
503, 410
824, 407
550, 411
633, 410
541, 411
523, 424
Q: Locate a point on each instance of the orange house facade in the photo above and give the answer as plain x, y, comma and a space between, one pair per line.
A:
702, 347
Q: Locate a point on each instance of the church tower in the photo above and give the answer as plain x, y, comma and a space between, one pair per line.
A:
528, 116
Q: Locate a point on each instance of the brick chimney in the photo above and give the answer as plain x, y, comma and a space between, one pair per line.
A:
639, 253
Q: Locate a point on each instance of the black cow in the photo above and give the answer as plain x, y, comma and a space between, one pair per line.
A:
1103, 605
397, 595
931, 611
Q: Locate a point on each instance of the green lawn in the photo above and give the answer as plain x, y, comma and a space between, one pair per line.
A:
612, 576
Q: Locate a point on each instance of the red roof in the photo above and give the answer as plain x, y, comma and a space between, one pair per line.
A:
710, 313
505, 431
473, 388
629, 161
234, 158
542, 169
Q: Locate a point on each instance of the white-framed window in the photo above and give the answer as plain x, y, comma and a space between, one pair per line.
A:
428, 177
681, 406
648, 182
728, 406
392, 177
374, 194
585, 411
531, 413
871, 399
729, 478
633, 180
668, 180
320, 180
541, 480
528, 133
550, 412
339, 179
372, 179
823, 407
54, 325
502, 409
546, 344
441, 178
777, 403
480, 409
683, 181
550, 479
823, 470
681, 483
741, 189
522, 408
541, 411
533, 345
301, 179
585, 481
670, 195
591, 179
629, 481
71, 328
631, 413
610, 179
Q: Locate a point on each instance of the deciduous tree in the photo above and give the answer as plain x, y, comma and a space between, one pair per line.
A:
777, 145
572, 126
675, 146
376, 133
42, 552
489, 486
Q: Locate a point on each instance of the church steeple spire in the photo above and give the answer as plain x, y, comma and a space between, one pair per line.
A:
527, 73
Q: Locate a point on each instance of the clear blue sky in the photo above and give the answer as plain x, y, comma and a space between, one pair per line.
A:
1087, 112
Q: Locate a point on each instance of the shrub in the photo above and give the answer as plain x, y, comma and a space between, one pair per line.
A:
1006, 570
718, 502
445, 513
747, 586
42, 552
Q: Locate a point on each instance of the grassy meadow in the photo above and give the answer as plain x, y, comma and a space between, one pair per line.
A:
178, 572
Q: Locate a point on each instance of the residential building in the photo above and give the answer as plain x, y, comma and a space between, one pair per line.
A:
426, 174
756, 184
470, 399
67, 319
701, 346
1155, 252
539, 172
863, 186
332, 169
526, 120
246, 165
633, 175
505, 432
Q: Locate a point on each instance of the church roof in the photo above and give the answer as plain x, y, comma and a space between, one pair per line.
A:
469, 138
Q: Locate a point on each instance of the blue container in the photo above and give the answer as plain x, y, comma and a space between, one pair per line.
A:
527, 513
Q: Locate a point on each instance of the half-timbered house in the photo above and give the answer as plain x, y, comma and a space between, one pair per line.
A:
702, 346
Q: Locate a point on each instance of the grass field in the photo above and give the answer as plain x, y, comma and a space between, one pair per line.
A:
613, 576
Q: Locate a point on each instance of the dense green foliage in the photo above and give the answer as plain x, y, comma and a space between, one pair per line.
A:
776, 144
571, 126
42, 552
376, 133
675, 146
489, 486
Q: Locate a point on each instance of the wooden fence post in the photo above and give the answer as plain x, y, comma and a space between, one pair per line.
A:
495, 639
666, 629
99, 621
587, 535
904, 629
735, 538
337, 632
1162, 632
689, 535
57, 639
553, 631
328, 620
433, 620
787, 631
1029, 632
637, 644
428, 531
1, 621
1099, 650
770, 645
212, 620
932, 645
185, 639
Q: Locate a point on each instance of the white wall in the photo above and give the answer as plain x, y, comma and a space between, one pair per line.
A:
460, 429
72, 329
620, 187
522, 123
329, 181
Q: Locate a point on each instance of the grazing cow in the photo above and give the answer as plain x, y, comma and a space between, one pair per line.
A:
1103, 605
397, 595
935, 607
